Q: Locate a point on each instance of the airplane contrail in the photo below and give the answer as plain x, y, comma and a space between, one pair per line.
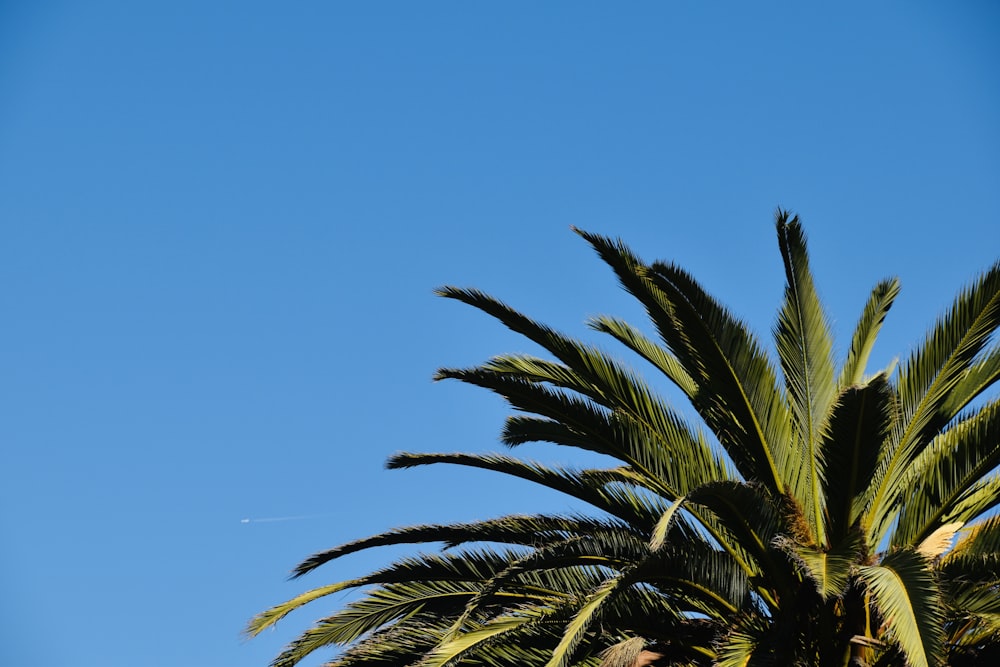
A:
273, 519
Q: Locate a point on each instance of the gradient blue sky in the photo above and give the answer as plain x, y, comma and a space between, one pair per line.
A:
222, 223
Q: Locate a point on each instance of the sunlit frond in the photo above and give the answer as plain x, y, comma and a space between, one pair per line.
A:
945, 471
927, 381
867, 330
805, 350
904, 591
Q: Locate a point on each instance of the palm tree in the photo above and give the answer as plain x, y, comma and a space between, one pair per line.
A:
810, 515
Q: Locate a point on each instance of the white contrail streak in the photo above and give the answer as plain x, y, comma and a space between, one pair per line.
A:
273, 519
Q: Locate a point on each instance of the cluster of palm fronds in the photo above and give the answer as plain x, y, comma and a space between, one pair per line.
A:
813, 515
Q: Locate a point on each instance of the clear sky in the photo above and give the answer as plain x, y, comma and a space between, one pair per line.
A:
221, 224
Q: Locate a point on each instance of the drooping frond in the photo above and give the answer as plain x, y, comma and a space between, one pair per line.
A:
740, 645
450, 651
585, 485
701, 578
980, 539
399, 644
623, 654
753, 518
970, 582
384, 605
515, 530
937, 543
467, 566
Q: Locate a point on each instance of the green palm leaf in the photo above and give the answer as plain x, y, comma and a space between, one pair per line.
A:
585, 617
904, 591
805, 348
859, 425
737, 392
926, 387
945, 471
866, 331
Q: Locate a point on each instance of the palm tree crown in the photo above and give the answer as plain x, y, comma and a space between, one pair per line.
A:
811, 515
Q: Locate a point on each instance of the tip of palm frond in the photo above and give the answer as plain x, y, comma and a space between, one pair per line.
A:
401, 460
783, 217
445, 374
444, 290
269, 618
257, 625
398, 460
468, 295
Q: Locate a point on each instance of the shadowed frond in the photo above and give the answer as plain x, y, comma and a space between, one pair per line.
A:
860, 423
829, 570
585, 485
515, 530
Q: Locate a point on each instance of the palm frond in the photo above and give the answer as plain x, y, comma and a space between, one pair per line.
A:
927, 382
738, 395
754, 519
624, 653
955, 461
829, 570
470, 566
904, 591
805, 350
636, 341
586, 615
384, 605
525, 530
701, 578
399, 644
979, 377
979, 539
662, 431
585, 485
866, 331
860, 422
451, 650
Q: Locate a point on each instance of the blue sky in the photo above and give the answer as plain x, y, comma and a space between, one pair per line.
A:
222, 224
